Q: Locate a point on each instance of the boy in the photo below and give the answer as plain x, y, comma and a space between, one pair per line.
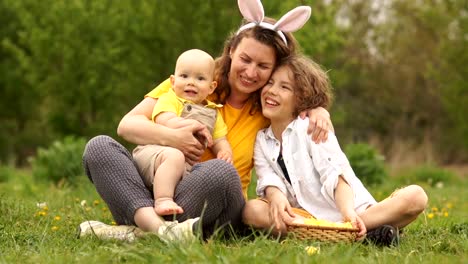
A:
297, 177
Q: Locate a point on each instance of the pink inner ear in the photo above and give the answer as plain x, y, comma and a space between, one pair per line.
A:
252, 10
294, 19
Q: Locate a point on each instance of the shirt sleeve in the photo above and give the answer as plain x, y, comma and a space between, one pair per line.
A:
166, 103
161, 89
330, 162
220, 128
266, 175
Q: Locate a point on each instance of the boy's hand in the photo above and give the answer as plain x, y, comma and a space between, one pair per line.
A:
225, 155
280, 211
357, 222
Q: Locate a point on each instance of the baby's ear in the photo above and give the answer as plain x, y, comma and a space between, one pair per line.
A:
172, 79
213, 86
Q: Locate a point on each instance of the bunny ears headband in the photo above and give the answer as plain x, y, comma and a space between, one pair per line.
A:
252, 11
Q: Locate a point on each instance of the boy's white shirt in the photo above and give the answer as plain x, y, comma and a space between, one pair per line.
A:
313, 170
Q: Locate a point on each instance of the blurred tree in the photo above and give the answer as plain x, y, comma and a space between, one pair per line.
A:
388, 87
18, 102
76, 67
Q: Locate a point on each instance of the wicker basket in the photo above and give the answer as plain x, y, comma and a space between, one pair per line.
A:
323, 233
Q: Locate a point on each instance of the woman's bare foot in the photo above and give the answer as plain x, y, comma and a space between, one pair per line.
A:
167, 206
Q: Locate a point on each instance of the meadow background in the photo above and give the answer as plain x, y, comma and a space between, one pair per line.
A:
71, 69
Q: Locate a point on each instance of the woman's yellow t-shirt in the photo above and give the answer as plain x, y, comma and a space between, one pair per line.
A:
242, 131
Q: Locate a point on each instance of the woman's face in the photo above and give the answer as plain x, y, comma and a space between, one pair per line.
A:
251, 66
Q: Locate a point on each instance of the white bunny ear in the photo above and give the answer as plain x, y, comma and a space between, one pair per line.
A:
251, 10
294, 19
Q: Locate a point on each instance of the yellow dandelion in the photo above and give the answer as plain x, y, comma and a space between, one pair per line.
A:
434, 209
113, 223
87, 209
95, 202
430, 215
449, 205
57, 218
42, 213
54, 228
446, 214
104, 209
312, 250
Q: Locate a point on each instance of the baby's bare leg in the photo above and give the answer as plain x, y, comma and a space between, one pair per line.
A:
166, 178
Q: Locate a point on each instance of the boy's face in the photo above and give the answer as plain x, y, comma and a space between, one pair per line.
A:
278, 96
193, 77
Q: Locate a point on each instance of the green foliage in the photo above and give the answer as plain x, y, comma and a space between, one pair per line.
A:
429, 174
61, 161
366, 162
6, 172
76, 67
402, 75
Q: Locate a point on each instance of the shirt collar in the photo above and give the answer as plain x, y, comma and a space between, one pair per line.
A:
269, 132
207, 103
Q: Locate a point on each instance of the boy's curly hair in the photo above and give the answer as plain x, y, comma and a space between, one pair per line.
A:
312, 85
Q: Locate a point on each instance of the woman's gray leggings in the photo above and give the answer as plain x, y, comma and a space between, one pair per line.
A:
212, 190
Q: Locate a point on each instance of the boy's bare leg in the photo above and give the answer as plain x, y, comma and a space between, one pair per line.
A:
168, 174
256, 214
398, 210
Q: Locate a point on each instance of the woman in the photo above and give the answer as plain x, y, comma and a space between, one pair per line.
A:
213, 190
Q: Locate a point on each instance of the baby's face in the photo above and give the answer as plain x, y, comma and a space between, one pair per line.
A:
193, 78
277, 98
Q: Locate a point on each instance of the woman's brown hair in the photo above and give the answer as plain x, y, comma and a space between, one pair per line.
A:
262, 35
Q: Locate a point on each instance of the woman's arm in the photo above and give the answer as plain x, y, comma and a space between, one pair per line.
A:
136, 127
319, 123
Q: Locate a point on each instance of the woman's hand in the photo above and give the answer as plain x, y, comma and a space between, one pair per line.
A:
184, 140
319, 123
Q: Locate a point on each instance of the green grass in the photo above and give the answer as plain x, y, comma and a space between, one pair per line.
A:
30, 234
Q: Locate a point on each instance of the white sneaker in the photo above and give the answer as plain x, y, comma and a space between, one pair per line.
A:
104, 231
175, 231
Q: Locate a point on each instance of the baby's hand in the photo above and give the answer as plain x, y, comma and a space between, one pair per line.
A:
205, 137
225, 155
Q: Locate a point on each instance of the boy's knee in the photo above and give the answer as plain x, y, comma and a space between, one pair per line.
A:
253, 210
416, 199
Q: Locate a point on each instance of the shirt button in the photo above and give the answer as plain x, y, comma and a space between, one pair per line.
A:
277, 144
273, 159
329, 159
